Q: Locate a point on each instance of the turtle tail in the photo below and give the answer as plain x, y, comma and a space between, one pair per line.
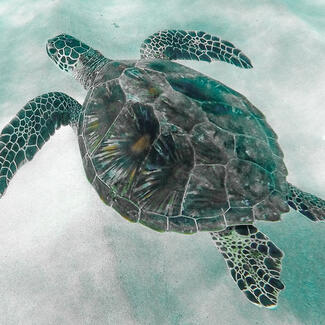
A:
308, 204
32, 126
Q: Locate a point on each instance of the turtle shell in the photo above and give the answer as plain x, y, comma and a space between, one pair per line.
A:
175, 150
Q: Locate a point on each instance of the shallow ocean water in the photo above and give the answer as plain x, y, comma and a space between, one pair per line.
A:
65, 258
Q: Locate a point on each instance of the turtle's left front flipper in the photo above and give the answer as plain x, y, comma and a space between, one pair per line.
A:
192, 45
27, 132
254, 263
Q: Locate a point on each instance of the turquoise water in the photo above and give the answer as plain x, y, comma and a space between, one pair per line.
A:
65, 258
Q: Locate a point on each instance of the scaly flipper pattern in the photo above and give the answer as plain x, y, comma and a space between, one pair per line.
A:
308, 204
27, 132
254, 263
192, 45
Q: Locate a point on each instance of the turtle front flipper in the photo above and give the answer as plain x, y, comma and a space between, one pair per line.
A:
307, 204
27, 132
254, 263
192, 45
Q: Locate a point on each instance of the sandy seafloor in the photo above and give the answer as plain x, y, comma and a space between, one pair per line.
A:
65, 258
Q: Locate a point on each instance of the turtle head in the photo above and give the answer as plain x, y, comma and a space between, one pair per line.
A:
66, 51
76, 57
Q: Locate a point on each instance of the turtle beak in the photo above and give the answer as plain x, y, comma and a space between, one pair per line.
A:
50, 49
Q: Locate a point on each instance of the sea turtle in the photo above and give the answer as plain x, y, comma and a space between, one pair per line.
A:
171, 148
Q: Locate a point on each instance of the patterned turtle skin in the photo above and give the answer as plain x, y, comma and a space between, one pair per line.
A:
175, 150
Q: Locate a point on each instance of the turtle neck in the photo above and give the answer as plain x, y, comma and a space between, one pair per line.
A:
88, 66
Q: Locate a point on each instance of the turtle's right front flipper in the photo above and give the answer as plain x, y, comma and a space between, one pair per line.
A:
192, 45
27, 132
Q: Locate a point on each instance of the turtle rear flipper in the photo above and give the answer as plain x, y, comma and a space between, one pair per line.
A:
192, 45
254, 263
33, 125
308, 204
